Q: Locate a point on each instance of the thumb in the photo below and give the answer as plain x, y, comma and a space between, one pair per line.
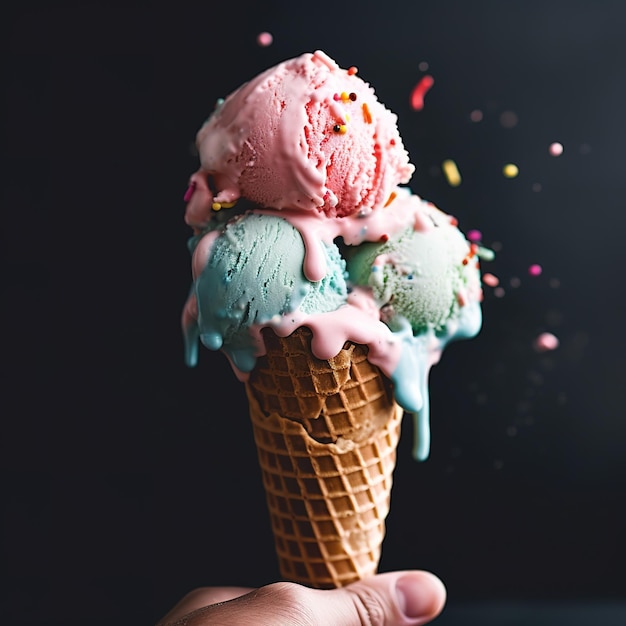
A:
409, 598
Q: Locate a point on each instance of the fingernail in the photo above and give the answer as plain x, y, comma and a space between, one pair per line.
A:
414, 598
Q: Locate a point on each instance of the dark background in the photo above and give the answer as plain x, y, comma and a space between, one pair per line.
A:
128, 479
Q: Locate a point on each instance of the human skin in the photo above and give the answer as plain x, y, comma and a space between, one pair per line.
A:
408, 598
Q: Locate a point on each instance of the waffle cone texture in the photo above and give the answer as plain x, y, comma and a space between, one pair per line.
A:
326, 434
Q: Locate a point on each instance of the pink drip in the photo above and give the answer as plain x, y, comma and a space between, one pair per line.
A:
407, 209
358, 321
199, 200
190, 312
202, 253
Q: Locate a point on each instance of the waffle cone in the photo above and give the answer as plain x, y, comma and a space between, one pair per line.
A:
326, 435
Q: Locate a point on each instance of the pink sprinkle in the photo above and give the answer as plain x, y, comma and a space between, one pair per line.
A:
545, 342
264, 39
491, 280
476, 115
556, 149
474, 235
189, 192
535, 270
498, 292
419, 91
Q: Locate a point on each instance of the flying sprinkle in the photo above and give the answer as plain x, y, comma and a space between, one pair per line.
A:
490, 280
556, 149
510, 170
419, 91
264, 39
545, 342
451, 172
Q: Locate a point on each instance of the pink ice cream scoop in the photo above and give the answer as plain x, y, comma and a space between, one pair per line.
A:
304, 135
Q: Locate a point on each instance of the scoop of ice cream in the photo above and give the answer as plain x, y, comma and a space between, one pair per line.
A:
425, 280
304, 135
425, 273
247, 274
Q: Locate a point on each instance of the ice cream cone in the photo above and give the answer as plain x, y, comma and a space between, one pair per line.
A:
326, 435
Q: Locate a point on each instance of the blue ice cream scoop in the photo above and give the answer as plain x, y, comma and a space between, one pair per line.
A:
254, 273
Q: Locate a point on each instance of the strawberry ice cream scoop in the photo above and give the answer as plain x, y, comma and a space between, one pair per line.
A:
304, 135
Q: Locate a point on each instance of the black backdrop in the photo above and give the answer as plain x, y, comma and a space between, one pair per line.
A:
129, 479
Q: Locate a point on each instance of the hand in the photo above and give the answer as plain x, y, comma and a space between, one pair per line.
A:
408, 598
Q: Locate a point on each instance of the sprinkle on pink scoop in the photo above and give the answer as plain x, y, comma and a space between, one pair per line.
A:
545, 342
535, 270
264, 39
189, 192
419, 91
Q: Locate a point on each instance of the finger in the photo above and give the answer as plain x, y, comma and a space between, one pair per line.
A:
202, 597
397, 598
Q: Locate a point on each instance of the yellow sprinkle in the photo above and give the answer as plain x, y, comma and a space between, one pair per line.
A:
451, 172
342, 129
216, 206
344, 96
510, 170
366, 113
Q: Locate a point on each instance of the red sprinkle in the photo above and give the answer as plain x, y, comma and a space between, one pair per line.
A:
420, 90
352, 70
384, 238
472, 253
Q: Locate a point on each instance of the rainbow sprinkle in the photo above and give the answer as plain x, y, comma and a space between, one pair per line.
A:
451, 172
419, 91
